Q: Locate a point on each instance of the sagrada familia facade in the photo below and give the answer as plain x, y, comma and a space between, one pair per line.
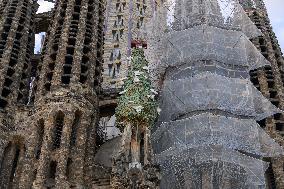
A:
146, 94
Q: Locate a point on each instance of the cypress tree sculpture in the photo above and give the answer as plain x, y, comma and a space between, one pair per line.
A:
136, 113
137, 105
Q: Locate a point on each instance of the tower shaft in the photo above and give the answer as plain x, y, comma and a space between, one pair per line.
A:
62, 137
16, 32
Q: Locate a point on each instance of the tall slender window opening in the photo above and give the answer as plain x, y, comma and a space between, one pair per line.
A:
52, 170
142, 154
14, 165
69, 168
75, 126
4, 163
40, 132
270, 177
59, 121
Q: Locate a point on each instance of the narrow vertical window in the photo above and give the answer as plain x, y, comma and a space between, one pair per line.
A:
59, 122
69, 168
75, 126
40, 132
142, 154
52, 170
270, 177
14, 165
4, 164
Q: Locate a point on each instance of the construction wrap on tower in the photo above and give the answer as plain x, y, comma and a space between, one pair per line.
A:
207, 135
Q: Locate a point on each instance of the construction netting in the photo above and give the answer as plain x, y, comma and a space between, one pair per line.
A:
227, 14
210, 43
207, 91
205, 49
207, 136
209, 129
211, 167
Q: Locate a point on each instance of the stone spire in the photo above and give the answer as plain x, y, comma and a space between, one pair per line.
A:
62, 127
16, 32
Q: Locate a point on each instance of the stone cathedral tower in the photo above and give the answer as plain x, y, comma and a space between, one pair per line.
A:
270, 81
16, 32
63, 134
207, 57
54, 144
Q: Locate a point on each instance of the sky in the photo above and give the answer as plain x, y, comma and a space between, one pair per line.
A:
44, 6
276, 15
274, 9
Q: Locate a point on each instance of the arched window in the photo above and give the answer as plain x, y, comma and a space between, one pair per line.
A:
15, 164
69, 168
9, 164
4, 164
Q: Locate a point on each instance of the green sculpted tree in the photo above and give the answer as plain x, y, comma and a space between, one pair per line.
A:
137, 103
136, 113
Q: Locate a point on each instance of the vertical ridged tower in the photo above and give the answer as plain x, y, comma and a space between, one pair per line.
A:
207, 135
61, 146
16, 27
16, 32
